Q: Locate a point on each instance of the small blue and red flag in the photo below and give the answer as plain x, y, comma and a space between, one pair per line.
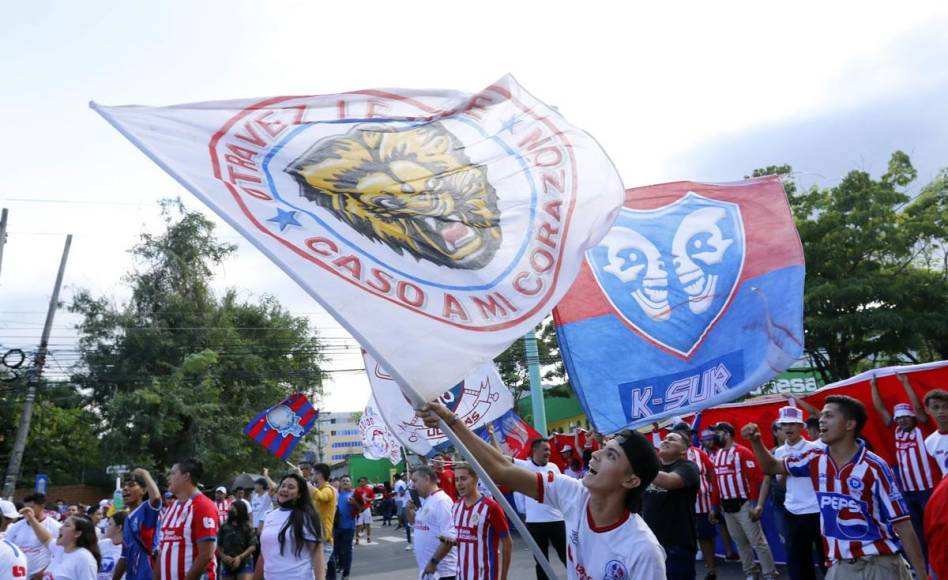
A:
279, 428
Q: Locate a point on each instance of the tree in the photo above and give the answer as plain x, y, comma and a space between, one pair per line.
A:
512, 364
876, 269
176, 371
58, 416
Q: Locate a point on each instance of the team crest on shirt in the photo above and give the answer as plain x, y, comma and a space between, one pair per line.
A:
474, 519
614, 570
855, 484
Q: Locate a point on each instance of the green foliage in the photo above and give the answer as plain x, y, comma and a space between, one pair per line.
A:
178, 372
62, 441
877, 281
512, 364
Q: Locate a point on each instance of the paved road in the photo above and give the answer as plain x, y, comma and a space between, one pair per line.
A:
386, 559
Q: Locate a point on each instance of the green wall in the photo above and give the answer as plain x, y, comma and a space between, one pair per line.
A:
377, 470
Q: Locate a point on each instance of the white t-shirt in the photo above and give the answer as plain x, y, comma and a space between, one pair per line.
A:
434, 521
286, 566
627, 549
261, 506
937, 445
12, 561
111, 554
37, 554
801, 499
535, 511
575, 473
76, 565
402, 497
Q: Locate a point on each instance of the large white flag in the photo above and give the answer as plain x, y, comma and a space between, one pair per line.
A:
478, 399
377, 441
436, 226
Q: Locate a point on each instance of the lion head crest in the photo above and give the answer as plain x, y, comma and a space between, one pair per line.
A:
413, 189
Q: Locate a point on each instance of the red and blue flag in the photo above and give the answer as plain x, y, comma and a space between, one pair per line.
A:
279, 428
693, 298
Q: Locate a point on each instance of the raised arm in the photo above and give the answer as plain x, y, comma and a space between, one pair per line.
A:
42, 534
493, 437
878, 404
769, 464
154, 494
920, 413
271, 485
497, 466
802, 404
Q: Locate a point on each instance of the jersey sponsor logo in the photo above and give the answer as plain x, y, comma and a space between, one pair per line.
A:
614, 570
846, 518
696, 260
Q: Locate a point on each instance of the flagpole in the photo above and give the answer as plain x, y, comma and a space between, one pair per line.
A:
417, 402
499, 498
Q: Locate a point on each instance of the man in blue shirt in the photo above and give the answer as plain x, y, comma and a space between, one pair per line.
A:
344, 532
138, 533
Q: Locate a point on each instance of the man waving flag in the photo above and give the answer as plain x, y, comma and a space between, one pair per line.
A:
436, 226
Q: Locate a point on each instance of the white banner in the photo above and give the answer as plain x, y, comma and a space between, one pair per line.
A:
436, 226
377, 441
478, 399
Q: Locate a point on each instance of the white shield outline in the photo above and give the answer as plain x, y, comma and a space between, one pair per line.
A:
724, 306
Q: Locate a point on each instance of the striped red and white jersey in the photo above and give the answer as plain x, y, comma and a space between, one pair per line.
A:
917, 469
707, 493
737, 473
480, 527
858, 502
183, 526
223, 506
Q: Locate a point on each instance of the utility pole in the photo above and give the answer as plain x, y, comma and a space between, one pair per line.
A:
536, 389
32, 381
3, 234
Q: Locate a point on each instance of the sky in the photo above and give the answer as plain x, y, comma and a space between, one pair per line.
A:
687, 90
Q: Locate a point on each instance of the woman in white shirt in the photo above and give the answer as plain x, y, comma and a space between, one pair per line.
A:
291, 537
111, 545
75, 553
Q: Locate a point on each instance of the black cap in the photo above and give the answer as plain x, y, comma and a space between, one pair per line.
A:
681, 426
643, 460
724, 426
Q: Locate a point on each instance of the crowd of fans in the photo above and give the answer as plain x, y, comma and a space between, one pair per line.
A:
623, 506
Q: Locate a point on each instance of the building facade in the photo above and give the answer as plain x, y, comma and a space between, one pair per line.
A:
336, 437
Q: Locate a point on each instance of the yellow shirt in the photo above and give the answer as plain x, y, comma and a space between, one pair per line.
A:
324, 498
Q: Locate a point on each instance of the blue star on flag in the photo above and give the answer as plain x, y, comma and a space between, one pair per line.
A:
285, 219
509, 124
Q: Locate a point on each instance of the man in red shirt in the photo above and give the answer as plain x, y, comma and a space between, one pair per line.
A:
446, 477
189, 527
363, 496
918, 471
222, 503
740, 486
482, 528
936, 529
